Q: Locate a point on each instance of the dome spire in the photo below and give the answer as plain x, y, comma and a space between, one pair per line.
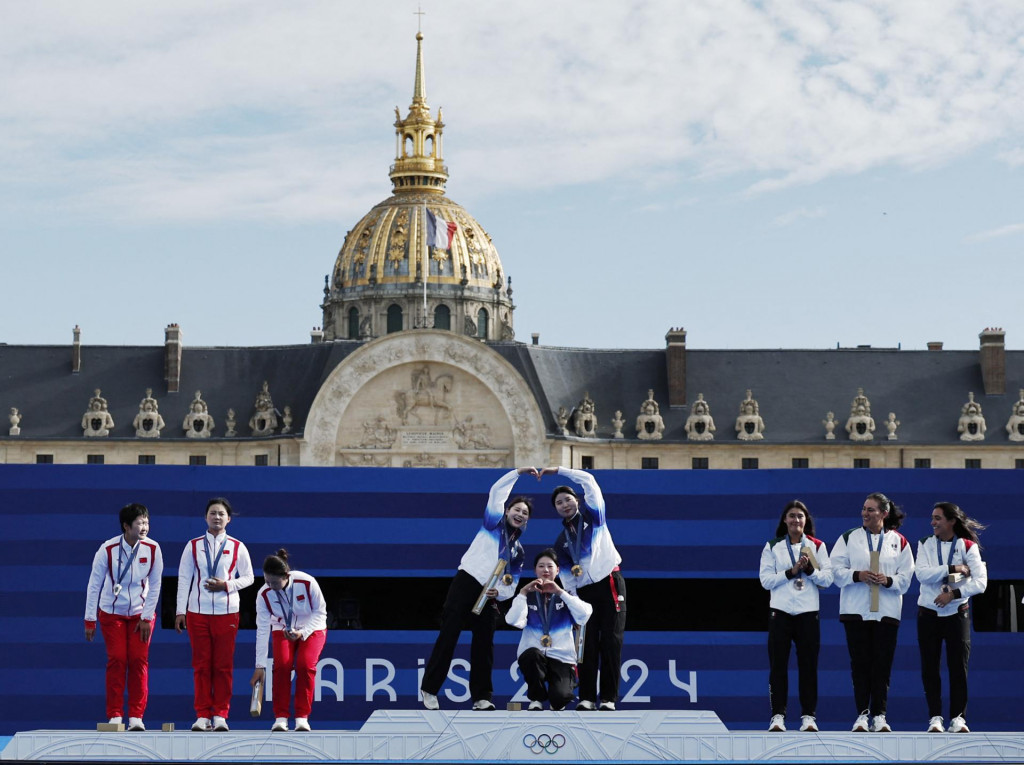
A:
419, 164
419, 88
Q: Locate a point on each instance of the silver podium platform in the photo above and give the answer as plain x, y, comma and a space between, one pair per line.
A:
519, 737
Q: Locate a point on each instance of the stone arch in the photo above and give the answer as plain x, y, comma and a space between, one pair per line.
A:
319, 446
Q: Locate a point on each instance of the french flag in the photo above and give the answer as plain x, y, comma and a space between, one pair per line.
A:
439, 231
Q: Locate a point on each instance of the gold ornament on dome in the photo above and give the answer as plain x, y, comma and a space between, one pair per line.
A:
398, 239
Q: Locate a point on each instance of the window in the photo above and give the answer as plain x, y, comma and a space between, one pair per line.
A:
587, 462
749, 463
353, 323
481, 323
394, 318
147, 459
197, 459
47, 459
648, 463
699, 463
261, 460
972, 464
922, 462
442, 317
94, 459
1019, 464
801, 462
861, 462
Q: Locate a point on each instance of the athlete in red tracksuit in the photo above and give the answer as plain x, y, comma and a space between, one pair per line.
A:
123, 591
290, 611
213, 568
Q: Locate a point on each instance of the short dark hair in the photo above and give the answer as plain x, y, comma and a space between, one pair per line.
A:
781, 529
132, 511
546, 553
277, 564
219, 501
563, 490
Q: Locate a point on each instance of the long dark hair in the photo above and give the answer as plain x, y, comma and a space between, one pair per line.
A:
963, 526
781, 530
894, 517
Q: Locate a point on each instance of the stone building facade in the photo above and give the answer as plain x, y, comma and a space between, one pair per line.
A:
417, 364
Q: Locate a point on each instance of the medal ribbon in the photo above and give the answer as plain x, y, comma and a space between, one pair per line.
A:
871, 547
123, 569
286, 609
505, 548
545, 611
792, 557
575, 538
938, 551
212, 564
789, 547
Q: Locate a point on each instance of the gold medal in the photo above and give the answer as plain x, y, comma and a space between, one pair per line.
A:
577, 570
507, 579
545, 641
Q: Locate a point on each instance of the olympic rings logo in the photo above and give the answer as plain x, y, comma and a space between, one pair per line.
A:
544, 742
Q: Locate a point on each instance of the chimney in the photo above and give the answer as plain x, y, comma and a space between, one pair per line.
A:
316, 335
675, 356
172, 357
76, 351
993, 360
536, 338
935, 345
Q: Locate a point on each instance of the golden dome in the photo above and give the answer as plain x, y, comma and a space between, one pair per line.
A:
390, 274
389, 246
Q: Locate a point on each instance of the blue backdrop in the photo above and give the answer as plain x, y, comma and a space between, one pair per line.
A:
365, 522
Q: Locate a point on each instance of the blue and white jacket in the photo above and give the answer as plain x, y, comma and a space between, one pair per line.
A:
598, 556
524, 614
494, 541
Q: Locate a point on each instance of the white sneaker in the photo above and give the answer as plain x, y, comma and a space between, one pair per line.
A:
777, 725
114, 721
958, 725
880, 725
535, 706
935, 725
280, 724
607, 706
808, 724
483, 705
430, 700
202, 724
135, 723
861, 725
585, 706
302, 724
219, 723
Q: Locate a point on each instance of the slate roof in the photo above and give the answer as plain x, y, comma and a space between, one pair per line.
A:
794, 388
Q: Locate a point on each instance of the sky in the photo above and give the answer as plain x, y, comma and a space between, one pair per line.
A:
766, 174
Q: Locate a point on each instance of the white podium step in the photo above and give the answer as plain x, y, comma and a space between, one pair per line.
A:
518, 737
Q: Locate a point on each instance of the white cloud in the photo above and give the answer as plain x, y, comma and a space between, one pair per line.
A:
257, 109
1013, 157
802, 213
997, 233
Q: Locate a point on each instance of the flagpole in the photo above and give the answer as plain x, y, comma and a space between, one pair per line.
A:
426, 270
